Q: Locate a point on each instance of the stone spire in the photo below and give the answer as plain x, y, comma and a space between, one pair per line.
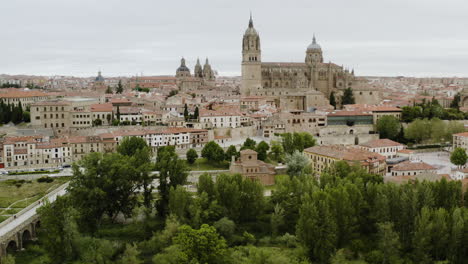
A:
251, 21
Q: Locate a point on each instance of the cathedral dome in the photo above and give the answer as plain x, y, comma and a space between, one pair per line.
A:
314, 45
99, 78
182, 67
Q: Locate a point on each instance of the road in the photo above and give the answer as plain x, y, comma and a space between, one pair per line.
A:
24, 216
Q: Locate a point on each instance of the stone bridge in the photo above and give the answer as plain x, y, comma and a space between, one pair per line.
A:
22, 227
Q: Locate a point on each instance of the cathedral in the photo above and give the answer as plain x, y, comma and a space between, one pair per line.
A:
202, 76
299, 85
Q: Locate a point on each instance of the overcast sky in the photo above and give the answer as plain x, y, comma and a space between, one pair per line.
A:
125, 37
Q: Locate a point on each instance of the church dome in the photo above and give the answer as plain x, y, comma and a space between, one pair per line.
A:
182, 67
314, 45
99, 78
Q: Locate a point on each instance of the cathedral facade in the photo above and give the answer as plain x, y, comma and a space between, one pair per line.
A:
202, 76
311, 81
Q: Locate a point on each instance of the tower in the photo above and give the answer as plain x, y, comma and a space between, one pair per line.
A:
251, 60
198, 72
207, 72
314, 53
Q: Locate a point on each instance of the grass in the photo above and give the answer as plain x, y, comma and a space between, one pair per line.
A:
203, 164
24, 192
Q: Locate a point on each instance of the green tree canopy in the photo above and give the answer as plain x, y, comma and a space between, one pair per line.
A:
192, 156
213, 152
388, 127
459, 157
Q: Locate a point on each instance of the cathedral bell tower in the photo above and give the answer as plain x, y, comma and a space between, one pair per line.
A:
314, 53
251, 60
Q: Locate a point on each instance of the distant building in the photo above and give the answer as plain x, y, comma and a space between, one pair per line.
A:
384, 147
301, 81
412, 168
250, 167
323, 157
99, 83
460, 140
201, 77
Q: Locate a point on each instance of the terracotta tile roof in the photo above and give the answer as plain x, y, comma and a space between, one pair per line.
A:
412, 166
51, 103
19, 93
347, 153
462, 134
379, 143
349, 113
107, 107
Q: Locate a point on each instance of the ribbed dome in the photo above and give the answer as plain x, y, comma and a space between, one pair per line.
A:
314, 45
99, 78
183, 68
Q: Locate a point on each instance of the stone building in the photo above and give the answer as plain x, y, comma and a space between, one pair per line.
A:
202, 76
412, 168
384, 147
308, 80
250, 167
460, 140
99, 83
323, 157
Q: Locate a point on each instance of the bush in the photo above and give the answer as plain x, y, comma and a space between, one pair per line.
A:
46, 179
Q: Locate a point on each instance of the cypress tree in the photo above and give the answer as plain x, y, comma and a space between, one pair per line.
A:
333, 99
196, 114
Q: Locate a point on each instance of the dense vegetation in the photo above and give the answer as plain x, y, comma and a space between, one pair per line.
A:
433, 109
349, 216
13, 113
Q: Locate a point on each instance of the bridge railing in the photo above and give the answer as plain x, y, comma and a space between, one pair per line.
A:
29, 207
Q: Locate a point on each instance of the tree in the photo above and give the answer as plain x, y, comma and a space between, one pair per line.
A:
225, 227
348, 97
118, 113
140, 155
333, 99
58, 230
97, 122
230, 152
103, 184
186, 113
109, 90
196, 113
297, 164
119, 88
262, 150
456, 101
249, 144
213, 152
173, 92
316, 228
388, 127
459, 157
130, 255
192, 156
172, 172
26, 116
388, 243
277, 151
203, 245
297, 141
180, 203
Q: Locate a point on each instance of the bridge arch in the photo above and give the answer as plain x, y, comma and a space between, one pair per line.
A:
26, 236
12, 246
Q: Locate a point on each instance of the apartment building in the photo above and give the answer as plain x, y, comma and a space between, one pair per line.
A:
384, 147
14, 96
221, 118
38, 151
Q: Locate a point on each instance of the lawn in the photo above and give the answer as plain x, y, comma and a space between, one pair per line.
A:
20, 193
203, 164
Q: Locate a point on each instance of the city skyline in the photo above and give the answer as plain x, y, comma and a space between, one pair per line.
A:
150, 38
